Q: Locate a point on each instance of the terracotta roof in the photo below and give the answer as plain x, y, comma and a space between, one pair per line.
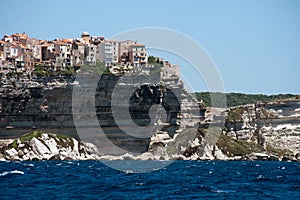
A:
3, 42
137, 45
67, 40
23, 46
46, 45
56, 42
21, 35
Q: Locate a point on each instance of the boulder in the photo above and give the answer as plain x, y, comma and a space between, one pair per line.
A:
12, 154
39, 148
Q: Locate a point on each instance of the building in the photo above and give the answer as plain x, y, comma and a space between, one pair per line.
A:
63, 59
33, 44
49, 52
3, 62
21, 53
137, 55
86, 39
78, 49
124, 50
20, 38
90, 52
108, 52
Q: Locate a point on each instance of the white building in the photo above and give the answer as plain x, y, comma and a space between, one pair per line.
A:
65, 53
108, 52
90, 54
138, 55
33, 44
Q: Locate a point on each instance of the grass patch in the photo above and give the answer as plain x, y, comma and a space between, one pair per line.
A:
98, 69
13, 145
232, 147
156, 69
278, 152
63, 140
29, 136
236, 114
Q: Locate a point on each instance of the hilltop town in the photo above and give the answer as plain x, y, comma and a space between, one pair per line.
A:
21, 53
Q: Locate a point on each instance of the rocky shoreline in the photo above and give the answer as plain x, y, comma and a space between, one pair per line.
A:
185, 146
46, 146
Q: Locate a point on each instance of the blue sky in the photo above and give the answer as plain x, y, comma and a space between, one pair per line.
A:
255, 44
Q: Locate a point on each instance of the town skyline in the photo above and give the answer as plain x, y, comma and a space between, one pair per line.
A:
21, 53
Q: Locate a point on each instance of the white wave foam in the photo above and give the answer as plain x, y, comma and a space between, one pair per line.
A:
28, 165
11, 172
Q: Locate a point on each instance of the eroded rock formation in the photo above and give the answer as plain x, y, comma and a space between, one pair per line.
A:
46, 146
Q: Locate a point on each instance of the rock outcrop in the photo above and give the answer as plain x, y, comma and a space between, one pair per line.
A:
46, 146
274, 126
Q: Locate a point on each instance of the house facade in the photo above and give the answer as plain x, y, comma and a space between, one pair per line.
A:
138, 55
108, 52
21, 53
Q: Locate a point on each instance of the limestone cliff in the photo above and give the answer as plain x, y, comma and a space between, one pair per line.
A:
275, 126
46, 146
46, 104
268, 130
265, 131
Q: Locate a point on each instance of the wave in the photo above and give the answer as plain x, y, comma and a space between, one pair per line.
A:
11, 172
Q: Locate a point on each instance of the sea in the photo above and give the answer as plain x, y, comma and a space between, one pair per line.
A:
177, 180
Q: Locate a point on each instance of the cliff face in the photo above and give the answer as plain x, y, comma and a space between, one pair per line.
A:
263, 130
274, 125
266, 131
46, 104
33, 104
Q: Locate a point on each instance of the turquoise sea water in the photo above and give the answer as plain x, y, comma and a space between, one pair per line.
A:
180, 180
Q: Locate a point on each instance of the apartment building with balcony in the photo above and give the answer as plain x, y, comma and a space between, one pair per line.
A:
124, 50
108, 52
78, 49
90, 52
138, 55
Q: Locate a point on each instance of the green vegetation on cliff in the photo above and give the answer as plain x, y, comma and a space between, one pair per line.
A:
236, 99
232, 147
46, 71
99, 68
156, 63
62, 140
